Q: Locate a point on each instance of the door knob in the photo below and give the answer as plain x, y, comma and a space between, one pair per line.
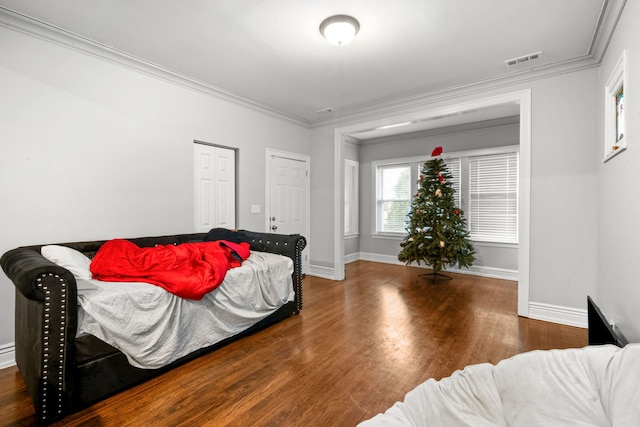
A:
274, 227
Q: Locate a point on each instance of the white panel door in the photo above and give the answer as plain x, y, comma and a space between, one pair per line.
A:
225, 212
288, 199
214, 187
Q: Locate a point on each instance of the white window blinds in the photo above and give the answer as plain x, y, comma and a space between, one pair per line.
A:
493, 192
453, 166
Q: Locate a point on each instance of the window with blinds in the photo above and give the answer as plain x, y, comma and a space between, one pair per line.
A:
486, 189
493, 198
395, 190
394, 197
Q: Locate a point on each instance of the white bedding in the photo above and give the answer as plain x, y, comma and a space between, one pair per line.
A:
592, 386
153, 327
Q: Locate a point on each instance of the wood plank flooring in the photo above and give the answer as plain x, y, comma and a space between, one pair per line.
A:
356, 348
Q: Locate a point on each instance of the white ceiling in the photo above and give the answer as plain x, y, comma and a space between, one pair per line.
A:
270, 52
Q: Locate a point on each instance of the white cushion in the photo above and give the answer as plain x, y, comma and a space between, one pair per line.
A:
550, 388
617, 374
74, 261
467, 398
591, 386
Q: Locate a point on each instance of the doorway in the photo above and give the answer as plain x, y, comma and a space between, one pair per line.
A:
287, 196
523, 101
214, 187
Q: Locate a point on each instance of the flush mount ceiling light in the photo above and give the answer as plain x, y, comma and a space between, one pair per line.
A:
339, 29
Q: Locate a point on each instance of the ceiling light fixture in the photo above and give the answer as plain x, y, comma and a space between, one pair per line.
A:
339, 29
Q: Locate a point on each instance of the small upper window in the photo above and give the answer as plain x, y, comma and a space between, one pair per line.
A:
620, 114
614, 120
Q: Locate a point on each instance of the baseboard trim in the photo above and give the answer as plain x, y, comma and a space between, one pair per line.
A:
492, 272
7, 355
558, 314
386, 259
351, 258
495, 273
323, 272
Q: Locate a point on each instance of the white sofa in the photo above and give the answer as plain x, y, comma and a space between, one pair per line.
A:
591, 386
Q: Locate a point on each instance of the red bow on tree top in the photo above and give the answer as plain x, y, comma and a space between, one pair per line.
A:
436, 151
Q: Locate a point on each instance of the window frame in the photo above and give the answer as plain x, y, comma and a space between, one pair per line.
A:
616, 83
378, 201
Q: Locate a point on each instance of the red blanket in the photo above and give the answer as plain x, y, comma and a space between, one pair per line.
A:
189, 270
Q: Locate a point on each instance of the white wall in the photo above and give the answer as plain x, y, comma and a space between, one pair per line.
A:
322, 197
93, 150
618, 192
563, 181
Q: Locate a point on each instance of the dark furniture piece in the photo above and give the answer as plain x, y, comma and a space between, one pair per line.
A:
600, 330
64, 374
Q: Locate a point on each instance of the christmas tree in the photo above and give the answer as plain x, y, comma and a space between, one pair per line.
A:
436, 231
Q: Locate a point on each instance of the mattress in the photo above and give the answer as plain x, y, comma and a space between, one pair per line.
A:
153, 327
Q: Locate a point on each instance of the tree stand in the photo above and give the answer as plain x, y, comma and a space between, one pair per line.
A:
435, 276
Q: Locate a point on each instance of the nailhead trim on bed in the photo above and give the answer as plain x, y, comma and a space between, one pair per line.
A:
54, 348
300, 244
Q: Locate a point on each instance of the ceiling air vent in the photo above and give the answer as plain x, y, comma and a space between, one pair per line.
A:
523, 59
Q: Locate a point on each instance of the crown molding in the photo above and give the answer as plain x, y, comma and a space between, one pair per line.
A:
609, 17
506, 81
44, 31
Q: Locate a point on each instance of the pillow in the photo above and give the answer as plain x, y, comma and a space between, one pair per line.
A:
74, 261
237, 236
237, 251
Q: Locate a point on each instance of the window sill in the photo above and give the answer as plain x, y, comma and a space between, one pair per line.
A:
388, 236
619, 147
495, 244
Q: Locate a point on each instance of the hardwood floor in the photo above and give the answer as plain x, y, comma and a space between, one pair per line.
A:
356, 348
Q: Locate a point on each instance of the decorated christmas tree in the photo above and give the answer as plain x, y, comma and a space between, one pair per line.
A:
436, 231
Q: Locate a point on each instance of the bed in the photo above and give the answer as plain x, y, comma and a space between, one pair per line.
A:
73, 349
